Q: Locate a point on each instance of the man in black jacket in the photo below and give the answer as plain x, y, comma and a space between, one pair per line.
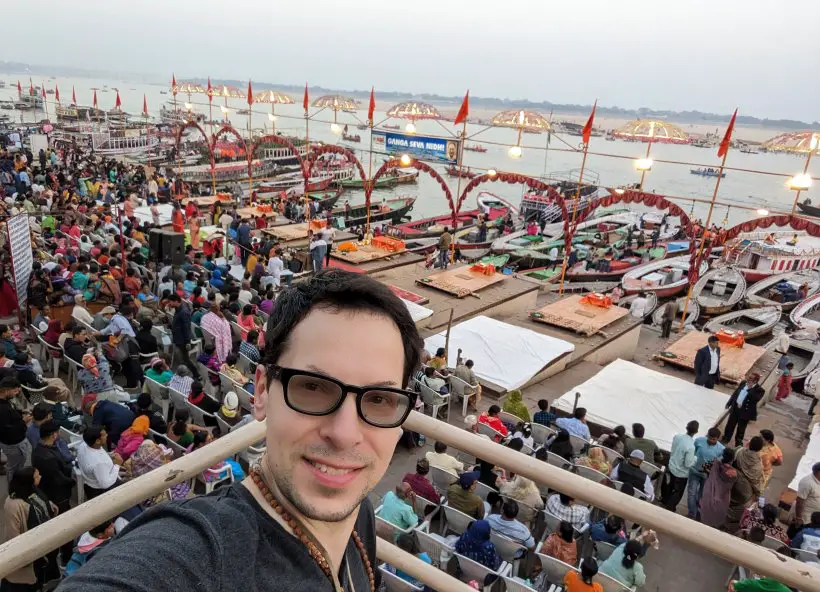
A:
707, 364
181, 332
56, 474
742, 408
13, 423
77, 345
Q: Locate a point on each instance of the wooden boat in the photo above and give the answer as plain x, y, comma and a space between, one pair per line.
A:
803, 353
391, 126
719, 289
707, 172
326, 199
351, 138
754, 322
618, 267
762, 254
773, 290
665, 278
809, 209
498, 261
381, 182
454, 171
802, 311
361, 126
391, 209
542, 275
475, 148
692, 313
403, 177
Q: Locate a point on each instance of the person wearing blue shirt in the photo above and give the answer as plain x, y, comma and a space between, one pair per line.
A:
609, 530
681, 460
543, 415
397, 507
707, 449
575, 425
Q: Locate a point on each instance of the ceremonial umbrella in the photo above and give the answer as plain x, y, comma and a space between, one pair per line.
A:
521, 120
274, 97
337, 103
413, 111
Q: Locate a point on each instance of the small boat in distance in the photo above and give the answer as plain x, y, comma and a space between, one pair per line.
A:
391, 126
475, 148
350, 138
783, 289
392, 210
707, 172
454, 171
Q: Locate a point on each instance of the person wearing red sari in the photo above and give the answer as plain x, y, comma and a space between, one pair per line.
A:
177, 220
490, 417
191, 211
247, 322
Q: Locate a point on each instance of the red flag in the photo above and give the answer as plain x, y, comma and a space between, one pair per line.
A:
210, 91
372, 107
464, 110
30, 87
305, 100
73, 96
95, 99
250, 94
19, 88
724, 143
588, 127
118, 102
144, 106
174, 84
43, 91
57, 93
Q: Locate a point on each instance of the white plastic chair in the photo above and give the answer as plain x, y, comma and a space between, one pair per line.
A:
441, 479
513, 585
472, 570
159, 394
438, 550
462, 389
166, 441
205, 378
509, 418
50, 350
207, 337
245, 365
145, 359
551, 523
510, 551
612, 457
198, 415
224, 426
590, 473
773, 543
482, 490
554, 569
219, 476
804, 556
394, 583
485, 429
610, 584
579, 445
603, 550
558, 461
454, 520
245, 398
178, 399
34, 395
434, 400
421, 504
541, 433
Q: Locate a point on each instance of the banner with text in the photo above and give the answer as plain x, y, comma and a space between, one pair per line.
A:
443, 150
21, 255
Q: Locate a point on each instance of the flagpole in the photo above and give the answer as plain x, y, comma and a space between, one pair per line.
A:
371, 105
45, 99
460, 158
247, 146
307, 157
568, 248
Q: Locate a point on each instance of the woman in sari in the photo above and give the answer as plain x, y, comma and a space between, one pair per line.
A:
714, 502
475, 544
150, 456
193, 228
595, 459
215, 323
749, 479
216, 213
514, 405
247, 321
526, 492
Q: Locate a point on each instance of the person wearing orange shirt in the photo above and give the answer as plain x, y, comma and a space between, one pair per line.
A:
177, 220
582, 582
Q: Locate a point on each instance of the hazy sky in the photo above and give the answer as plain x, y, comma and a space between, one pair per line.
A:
762, 56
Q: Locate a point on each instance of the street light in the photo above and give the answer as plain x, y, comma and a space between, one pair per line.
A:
492, 173
515, 151
643, 164
189, 106
271, 117
800, 182
410, 128
762, 212
336, 128
405, 160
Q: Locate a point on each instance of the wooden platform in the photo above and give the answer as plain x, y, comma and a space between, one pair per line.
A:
253, 212
571, 313
461, 281
510, 296
295, 235
205, 201
735, 362
385, 261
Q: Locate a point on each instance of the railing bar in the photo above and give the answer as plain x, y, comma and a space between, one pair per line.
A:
432, 577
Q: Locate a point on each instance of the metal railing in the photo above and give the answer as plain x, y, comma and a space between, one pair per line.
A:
35, 543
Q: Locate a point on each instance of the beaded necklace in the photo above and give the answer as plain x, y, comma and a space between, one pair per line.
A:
312, 548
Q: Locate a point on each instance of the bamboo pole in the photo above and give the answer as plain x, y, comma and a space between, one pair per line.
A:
648, 149
567, 249
447, 336
458, 183
703, 239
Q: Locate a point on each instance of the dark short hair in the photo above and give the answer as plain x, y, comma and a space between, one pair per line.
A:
469, 363
692, 427
767, 435
510, 509
494, 410
173, 297
440, 447
713, 433
253, 335
92, 434
543, 404
756, 444
100, 528
335, 289
580, 413
815, 468
48, 427
638, 430
41, 411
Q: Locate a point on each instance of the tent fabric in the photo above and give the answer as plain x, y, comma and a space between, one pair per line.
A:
505, 355
624, 393
811, 456
418, 312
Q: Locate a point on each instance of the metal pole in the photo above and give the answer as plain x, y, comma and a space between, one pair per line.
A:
248, 155
703, 239
458, 182
648, 148
805, 170
574, 214
307, 172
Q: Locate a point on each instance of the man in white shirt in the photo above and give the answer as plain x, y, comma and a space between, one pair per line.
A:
781, 346
808, 495
318, 250
153, 187
554, 257
707, 364
80, 311
444, 461
100, 471
275, 267
225, 221
638, 307
120, 323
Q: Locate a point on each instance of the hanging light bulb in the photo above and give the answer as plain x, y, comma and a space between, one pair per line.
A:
336, 128
492, 173
643, 164
410, 128
515, 152
405, 160
800, 182
271, 117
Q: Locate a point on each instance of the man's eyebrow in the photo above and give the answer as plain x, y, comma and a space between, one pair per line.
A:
390, 383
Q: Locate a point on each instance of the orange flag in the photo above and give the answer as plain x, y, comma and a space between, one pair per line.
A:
73, 96
144, 105
118, 102
19, 88
724, 143
57, 93
95, 99
30, 87
588, 127
250, 94
210, 91
372, 107
43, 91
174, 84
464, 110
305, 100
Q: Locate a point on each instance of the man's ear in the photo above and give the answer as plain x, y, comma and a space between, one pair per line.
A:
260, 396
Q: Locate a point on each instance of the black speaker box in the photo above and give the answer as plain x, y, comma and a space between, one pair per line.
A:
155, 244
173, 247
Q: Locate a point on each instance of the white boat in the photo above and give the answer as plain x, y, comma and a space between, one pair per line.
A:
692, 314
763, 254
804, 350
665, 278
124, 143
719, 289
754, 322
781, 289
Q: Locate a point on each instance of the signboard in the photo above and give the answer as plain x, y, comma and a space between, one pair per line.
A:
443, 150
21, 255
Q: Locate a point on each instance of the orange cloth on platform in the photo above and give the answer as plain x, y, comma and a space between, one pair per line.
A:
485, 268
388, 243
596, 299
731, 338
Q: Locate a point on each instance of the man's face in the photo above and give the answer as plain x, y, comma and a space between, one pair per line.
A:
354, 454
711, 440
751, 380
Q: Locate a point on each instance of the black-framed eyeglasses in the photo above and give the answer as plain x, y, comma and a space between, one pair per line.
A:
317, 394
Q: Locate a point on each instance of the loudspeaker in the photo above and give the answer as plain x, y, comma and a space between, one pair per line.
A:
155, 244
173, 247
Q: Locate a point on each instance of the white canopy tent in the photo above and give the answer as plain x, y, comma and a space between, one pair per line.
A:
811, 456
623, 393
418, 312
506, 356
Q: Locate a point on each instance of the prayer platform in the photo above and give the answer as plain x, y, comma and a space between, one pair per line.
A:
461, 281
296, 235
623, 392
205, 201
578, 314
510, 296
268, 212
369, 260
735, 362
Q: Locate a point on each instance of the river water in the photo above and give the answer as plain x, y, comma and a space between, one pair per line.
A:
737, 188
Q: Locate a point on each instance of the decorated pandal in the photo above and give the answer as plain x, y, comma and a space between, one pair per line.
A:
795, 142
646, 130
736, 357
585, 314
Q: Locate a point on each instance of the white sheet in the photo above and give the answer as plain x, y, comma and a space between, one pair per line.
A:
623, 393
811, 456
418, 312
505, 355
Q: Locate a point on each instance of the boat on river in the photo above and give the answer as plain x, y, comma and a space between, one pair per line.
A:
707, 172
582, 272
454, 171
352, 138
719, 289
808, 209
382, 182
754, 322
475, 148
762, 254
782, 289
664, 278
392, 210
433, 226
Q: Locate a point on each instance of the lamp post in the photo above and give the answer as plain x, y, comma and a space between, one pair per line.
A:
645, 164
802, 182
